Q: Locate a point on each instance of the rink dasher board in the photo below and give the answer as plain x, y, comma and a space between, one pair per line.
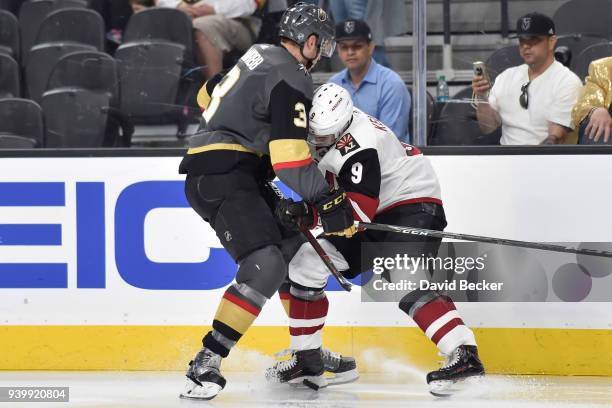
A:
130, 244
533, 198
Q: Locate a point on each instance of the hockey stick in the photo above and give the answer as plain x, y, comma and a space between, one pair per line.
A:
346, 285
477, 238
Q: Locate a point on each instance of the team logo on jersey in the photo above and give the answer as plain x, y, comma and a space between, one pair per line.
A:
347, 144
349, 27
411, 150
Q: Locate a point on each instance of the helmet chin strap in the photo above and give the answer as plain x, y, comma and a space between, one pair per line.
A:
309, 62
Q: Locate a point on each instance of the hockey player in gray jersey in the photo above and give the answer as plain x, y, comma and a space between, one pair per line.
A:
256, 126
386, 182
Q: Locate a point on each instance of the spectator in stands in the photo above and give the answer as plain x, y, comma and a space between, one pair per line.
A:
593, 112
532, 102
221, 26
385, 18
375, 89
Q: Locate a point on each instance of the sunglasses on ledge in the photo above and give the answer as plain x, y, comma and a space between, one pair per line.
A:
524, 98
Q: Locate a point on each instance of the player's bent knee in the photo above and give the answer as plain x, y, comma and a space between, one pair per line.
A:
305, 293
306, 268
263, 269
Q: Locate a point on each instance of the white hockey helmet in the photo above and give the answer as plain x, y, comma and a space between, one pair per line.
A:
330, 115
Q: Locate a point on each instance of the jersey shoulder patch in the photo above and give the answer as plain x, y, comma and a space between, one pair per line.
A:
347, 144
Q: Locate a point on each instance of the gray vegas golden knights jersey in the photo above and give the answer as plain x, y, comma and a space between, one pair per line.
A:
258, 111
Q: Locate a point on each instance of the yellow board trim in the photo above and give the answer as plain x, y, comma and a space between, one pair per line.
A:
220, 146
508, 351
288, 150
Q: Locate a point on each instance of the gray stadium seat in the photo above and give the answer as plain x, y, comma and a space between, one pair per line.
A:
41, 60
587, 17
61, 4
16, 142
79, 25
581, 63
577, 43
31, 15
92, 70
149, 74
77, 117
503, 59
9, 34
21, 117
458, 126
161, 24
9, 77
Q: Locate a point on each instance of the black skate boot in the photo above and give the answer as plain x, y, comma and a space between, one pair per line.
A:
303, 368
342, 368
204, 378
462, 364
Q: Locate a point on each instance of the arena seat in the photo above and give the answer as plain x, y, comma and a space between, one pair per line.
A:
31, 15
9, 80
78, 25
23, 118
9, 34
75, 117
149, 74
503, 59
596, 51
41, 60
587, 17
92, 70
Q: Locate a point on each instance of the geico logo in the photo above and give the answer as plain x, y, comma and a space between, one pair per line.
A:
95, 250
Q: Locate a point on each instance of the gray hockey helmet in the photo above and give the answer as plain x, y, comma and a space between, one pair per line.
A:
304, 19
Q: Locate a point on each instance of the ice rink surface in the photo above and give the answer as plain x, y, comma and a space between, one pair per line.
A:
404, 389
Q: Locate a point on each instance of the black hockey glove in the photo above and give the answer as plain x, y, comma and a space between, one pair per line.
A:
336, 214
295, 213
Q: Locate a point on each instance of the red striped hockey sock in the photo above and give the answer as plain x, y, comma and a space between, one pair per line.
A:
306, 320
443, 325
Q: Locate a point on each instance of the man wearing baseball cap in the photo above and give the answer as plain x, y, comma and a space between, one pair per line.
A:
532, 102
375, 89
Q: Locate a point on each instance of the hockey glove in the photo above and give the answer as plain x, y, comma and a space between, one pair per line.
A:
337, 214
295, 213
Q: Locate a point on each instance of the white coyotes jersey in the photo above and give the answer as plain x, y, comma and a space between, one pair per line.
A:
377, 170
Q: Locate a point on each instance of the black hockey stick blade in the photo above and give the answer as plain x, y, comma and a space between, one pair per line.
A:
478, 238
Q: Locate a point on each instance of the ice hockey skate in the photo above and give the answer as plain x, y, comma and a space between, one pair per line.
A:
204, 380
341, 369
463, 368
305, 367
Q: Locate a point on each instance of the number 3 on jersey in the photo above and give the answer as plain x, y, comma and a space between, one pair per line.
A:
357, 173
222, 88
300, 121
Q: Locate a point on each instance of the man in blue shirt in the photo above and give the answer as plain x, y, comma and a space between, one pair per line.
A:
375, 89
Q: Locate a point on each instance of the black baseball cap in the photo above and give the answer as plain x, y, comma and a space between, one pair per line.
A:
534, 25
353, 30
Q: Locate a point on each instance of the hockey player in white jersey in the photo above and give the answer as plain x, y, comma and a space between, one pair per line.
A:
386, 182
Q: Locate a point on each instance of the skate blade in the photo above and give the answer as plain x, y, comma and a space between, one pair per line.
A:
342, 378
312, 382
207, 391
444, 388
